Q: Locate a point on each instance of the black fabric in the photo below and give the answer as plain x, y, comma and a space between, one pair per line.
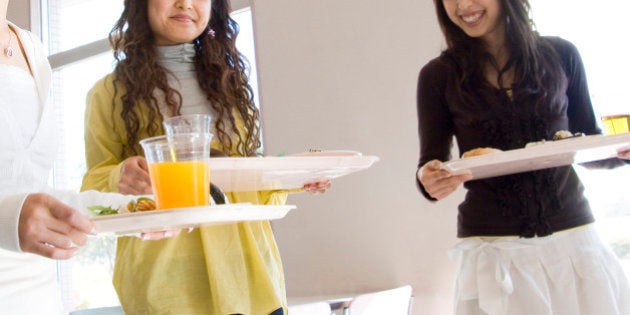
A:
526, 204
216, 194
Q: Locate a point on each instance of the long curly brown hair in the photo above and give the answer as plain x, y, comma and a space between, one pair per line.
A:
221, 73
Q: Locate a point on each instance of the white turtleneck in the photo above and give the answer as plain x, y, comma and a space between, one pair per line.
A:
179, 60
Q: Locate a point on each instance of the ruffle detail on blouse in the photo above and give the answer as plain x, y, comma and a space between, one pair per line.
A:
531, 205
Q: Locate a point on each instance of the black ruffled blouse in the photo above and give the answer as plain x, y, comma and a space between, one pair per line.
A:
526, 204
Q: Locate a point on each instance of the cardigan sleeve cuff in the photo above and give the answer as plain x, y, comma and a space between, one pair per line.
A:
421, 188
114, 177
10, 209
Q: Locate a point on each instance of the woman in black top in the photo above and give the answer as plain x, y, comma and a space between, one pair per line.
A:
501, 85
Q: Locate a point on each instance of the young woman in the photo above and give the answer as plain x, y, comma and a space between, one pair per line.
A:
528, 245
36, 222
179, 57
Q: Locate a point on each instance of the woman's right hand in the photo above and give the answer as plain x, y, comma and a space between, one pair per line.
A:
52, 229
134, 177
438, 182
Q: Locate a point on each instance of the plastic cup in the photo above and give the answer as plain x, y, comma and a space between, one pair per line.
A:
195, 123
616, 124
178, 167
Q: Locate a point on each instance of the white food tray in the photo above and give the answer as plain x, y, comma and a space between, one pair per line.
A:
546, 155
284, 172
155, 220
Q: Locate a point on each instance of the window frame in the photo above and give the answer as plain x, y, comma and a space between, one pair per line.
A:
63, 58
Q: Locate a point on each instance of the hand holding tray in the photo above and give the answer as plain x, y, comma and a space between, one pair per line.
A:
285, 172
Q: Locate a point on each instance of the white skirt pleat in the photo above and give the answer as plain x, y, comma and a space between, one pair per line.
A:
568, 273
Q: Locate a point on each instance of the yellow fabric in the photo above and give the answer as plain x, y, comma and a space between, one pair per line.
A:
223, 269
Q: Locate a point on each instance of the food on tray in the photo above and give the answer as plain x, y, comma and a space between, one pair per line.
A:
102, 210
140, 204
565, 134
319, 152
562, 134
535, 143
559, 135
480, 151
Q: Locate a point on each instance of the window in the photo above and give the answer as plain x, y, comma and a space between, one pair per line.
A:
80, 55
605, 58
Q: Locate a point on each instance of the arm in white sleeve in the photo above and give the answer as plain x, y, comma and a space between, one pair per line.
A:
10, 208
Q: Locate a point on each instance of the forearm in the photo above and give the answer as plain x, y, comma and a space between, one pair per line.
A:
10, 207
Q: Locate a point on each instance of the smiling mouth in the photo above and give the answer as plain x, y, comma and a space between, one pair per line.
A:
182, 18
472, 18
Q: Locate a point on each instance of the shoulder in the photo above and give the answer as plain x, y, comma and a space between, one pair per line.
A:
104, 86
25, 34
105, 81
29, 40
103, 97
567, 53
436, 65
436, 71
562, 47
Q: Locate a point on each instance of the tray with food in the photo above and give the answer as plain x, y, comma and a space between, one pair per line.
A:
566, 149
140, 216
287, 171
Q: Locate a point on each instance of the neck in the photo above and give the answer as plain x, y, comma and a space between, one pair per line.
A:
4, 4
494, 43
3, 16
497, 49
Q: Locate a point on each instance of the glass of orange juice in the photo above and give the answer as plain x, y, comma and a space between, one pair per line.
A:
188, 123
616, 124
178, 166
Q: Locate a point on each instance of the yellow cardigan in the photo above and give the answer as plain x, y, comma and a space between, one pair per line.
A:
223, 269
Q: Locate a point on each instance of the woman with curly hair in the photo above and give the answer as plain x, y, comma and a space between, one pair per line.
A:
179, 57
528, 245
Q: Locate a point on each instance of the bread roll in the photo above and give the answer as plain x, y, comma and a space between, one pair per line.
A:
565, 134
479, 151
562, 134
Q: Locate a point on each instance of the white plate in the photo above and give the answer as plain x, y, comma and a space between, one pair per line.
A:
284, 172
133, 223
549, 154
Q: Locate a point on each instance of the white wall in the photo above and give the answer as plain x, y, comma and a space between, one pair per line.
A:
19, 13
342, 74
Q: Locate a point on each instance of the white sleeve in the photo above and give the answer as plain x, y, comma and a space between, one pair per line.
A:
10, 207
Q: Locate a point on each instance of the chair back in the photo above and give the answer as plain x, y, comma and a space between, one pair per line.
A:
113, 310
391, 302
316, 308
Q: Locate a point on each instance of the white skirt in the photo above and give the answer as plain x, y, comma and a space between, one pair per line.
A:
570, 272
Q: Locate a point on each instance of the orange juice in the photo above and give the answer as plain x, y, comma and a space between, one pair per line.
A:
180, 184
616, 124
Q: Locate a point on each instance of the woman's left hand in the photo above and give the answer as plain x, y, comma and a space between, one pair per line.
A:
624, 155
317, 187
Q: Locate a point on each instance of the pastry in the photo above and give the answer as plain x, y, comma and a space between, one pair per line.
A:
479, 151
